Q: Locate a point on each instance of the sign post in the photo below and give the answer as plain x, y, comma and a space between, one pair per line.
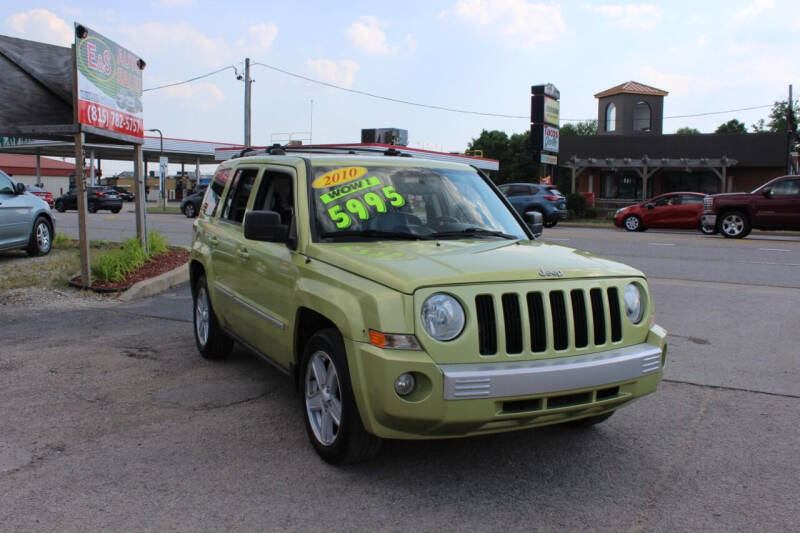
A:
545, 107
107, 101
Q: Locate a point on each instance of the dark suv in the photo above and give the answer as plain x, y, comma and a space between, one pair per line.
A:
545, 199
96, 198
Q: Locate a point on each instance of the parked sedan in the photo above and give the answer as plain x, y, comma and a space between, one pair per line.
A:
125, 194
25, 219
97, 198
47, 196
670, 210
545, 199
190, 206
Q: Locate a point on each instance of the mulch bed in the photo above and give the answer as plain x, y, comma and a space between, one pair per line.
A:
172, 258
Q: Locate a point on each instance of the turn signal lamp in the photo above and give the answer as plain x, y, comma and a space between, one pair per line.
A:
393, 341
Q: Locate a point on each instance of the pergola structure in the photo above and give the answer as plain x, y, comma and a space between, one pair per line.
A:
646, 166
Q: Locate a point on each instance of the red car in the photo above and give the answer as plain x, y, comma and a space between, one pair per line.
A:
670, 210
41, 193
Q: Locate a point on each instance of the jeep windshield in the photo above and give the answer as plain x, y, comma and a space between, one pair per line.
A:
365, 202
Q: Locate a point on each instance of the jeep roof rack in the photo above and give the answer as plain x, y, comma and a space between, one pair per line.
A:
277, 149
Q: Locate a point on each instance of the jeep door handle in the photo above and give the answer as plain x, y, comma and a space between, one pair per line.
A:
243, 253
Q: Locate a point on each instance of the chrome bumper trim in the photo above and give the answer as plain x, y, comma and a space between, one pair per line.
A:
497, 380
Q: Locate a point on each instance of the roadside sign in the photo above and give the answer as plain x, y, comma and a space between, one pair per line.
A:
550, 139
109, 88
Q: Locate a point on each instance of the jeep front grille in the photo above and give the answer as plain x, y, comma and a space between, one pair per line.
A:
558, 318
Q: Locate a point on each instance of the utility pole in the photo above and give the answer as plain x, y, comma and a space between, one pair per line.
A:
247, 82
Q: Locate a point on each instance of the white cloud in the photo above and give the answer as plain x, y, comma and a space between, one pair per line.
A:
518, 22
753, 10
258, 37
194, 95
629, 16
41, 25
368, 35
411, 43
175, 43
675, 84
337, 72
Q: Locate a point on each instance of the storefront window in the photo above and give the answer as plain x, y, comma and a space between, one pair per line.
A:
611, 117
700, 181
641, 116
621, 185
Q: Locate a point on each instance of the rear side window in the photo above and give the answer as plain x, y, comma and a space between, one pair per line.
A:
687, 199
214, 191
239, 194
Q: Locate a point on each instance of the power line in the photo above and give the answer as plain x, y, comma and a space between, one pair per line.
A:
429, 106
189, 80
397, 100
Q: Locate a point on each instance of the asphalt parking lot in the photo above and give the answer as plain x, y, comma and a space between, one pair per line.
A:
110, 420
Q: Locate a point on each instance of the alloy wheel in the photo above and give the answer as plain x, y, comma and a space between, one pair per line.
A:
732, 224
43, 237
201, 316
323, 398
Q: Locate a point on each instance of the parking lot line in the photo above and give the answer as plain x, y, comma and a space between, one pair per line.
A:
775, 249
661, 244
768, 263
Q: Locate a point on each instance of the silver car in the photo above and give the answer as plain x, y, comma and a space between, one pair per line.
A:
25, 220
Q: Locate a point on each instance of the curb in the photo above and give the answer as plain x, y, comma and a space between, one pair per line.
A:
152, 286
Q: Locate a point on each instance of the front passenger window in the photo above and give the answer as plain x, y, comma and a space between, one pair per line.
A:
6, 187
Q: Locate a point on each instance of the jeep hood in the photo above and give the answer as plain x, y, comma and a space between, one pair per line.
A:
409, 265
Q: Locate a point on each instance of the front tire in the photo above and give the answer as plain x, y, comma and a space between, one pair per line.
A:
705, 230
115, 211
92, 208
189, 210
734, 225
212, 342
41, 238
332, 419
550, 224
632, 223
60, 207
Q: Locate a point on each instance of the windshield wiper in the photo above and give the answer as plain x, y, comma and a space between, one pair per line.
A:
375, 233
469, 232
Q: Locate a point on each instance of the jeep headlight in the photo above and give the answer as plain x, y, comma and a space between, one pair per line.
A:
634, 294
442, 317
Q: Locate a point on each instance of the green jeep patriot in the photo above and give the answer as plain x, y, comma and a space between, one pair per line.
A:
408, 300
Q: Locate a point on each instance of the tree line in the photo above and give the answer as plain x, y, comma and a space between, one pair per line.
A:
514, 152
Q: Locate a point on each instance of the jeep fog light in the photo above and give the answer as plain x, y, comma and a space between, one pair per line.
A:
404, 384
442, 317
633, 302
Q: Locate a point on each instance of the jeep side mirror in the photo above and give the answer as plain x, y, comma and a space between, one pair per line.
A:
19, 188
265, 226
534, 221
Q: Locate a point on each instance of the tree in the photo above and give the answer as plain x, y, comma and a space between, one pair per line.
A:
584, 127
777, 116
732, 126
520, 157
687, 131
758, 127
494, 145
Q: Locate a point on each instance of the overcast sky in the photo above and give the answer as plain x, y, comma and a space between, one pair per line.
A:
473, 55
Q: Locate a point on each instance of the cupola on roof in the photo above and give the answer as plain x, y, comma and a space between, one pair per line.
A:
631, 87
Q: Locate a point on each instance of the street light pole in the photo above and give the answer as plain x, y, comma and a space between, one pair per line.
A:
161, 170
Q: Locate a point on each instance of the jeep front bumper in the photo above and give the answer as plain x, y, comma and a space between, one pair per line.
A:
477, 398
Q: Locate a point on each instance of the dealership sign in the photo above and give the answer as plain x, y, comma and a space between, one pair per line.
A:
550, 139
109, 84
551, 109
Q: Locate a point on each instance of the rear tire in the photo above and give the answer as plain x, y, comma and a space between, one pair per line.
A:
734, 225
41, 238
92, 208
550, 224
332, 419
189, 210
115, 211
60, 206
212, 342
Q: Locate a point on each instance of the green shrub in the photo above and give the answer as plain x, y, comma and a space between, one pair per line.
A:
570, 214
576, 202
591, 212
129, 257
62, 240
156, 242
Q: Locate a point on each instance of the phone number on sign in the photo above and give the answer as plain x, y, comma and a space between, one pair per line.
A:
109, 119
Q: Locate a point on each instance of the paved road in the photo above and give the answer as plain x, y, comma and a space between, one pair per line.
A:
107, 226
128, 428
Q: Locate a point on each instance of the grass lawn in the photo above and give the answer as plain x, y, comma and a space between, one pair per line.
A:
168, 210
18, 270
600, 222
